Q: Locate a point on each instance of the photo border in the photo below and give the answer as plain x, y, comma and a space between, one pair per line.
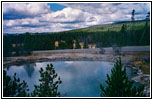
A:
78, 97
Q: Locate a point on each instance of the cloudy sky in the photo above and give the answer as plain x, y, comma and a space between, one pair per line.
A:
55, 17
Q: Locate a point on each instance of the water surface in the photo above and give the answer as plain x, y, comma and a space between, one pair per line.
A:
79, 78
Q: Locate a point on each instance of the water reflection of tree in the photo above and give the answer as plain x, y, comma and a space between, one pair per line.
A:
29, 68
8, 68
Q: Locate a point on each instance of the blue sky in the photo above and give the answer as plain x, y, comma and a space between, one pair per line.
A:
55, 17
56, 7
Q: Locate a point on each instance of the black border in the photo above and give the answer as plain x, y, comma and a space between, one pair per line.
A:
78, 97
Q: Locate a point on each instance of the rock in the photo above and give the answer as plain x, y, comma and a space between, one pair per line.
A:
147, 91
136, 79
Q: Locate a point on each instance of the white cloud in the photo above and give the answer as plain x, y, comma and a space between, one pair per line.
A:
73, 17
20, 10
25, 21
65, 19
120, 10
66, 15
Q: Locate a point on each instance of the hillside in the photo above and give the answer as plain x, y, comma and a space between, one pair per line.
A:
113, 26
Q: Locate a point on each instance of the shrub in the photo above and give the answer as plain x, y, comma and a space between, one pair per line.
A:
116, 49
102, 51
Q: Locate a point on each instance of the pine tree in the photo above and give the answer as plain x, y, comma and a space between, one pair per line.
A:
132, 17
28, 44
12, 87
118, 84
7, 47
48, 83
123, 35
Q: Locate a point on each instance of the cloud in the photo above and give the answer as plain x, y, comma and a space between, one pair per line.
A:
74, 16
70, 17
66, 15
24, 10
66, 19
112, 11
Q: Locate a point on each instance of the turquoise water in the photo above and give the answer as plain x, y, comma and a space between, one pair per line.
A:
79, 78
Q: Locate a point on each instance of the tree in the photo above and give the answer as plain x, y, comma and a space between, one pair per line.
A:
123, 35
148, 16
118, 84
13, 87
28, 44
48, 83
7, 47
132, 17
146, 27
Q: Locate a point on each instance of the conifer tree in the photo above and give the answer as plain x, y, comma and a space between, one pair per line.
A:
28, 44
12, 87
118, 84
7, 47
49, 82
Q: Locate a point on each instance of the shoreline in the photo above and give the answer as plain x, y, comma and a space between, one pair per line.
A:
127, 60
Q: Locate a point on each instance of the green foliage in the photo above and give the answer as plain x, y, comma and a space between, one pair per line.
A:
28, 43
123, 34
118, 84
13, 87
7, 48
48, 83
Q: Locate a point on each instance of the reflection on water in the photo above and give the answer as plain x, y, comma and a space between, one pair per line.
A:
79, 78
29, 68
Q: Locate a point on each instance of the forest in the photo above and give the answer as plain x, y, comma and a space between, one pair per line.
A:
132, 33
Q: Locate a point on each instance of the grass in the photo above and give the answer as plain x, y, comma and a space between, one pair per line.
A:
113, 27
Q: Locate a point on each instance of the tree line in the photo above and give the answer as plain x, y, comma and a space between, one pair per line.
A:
126, 36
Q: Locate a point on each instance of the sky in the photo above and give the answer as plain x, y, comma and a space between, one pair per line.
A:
56, 17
